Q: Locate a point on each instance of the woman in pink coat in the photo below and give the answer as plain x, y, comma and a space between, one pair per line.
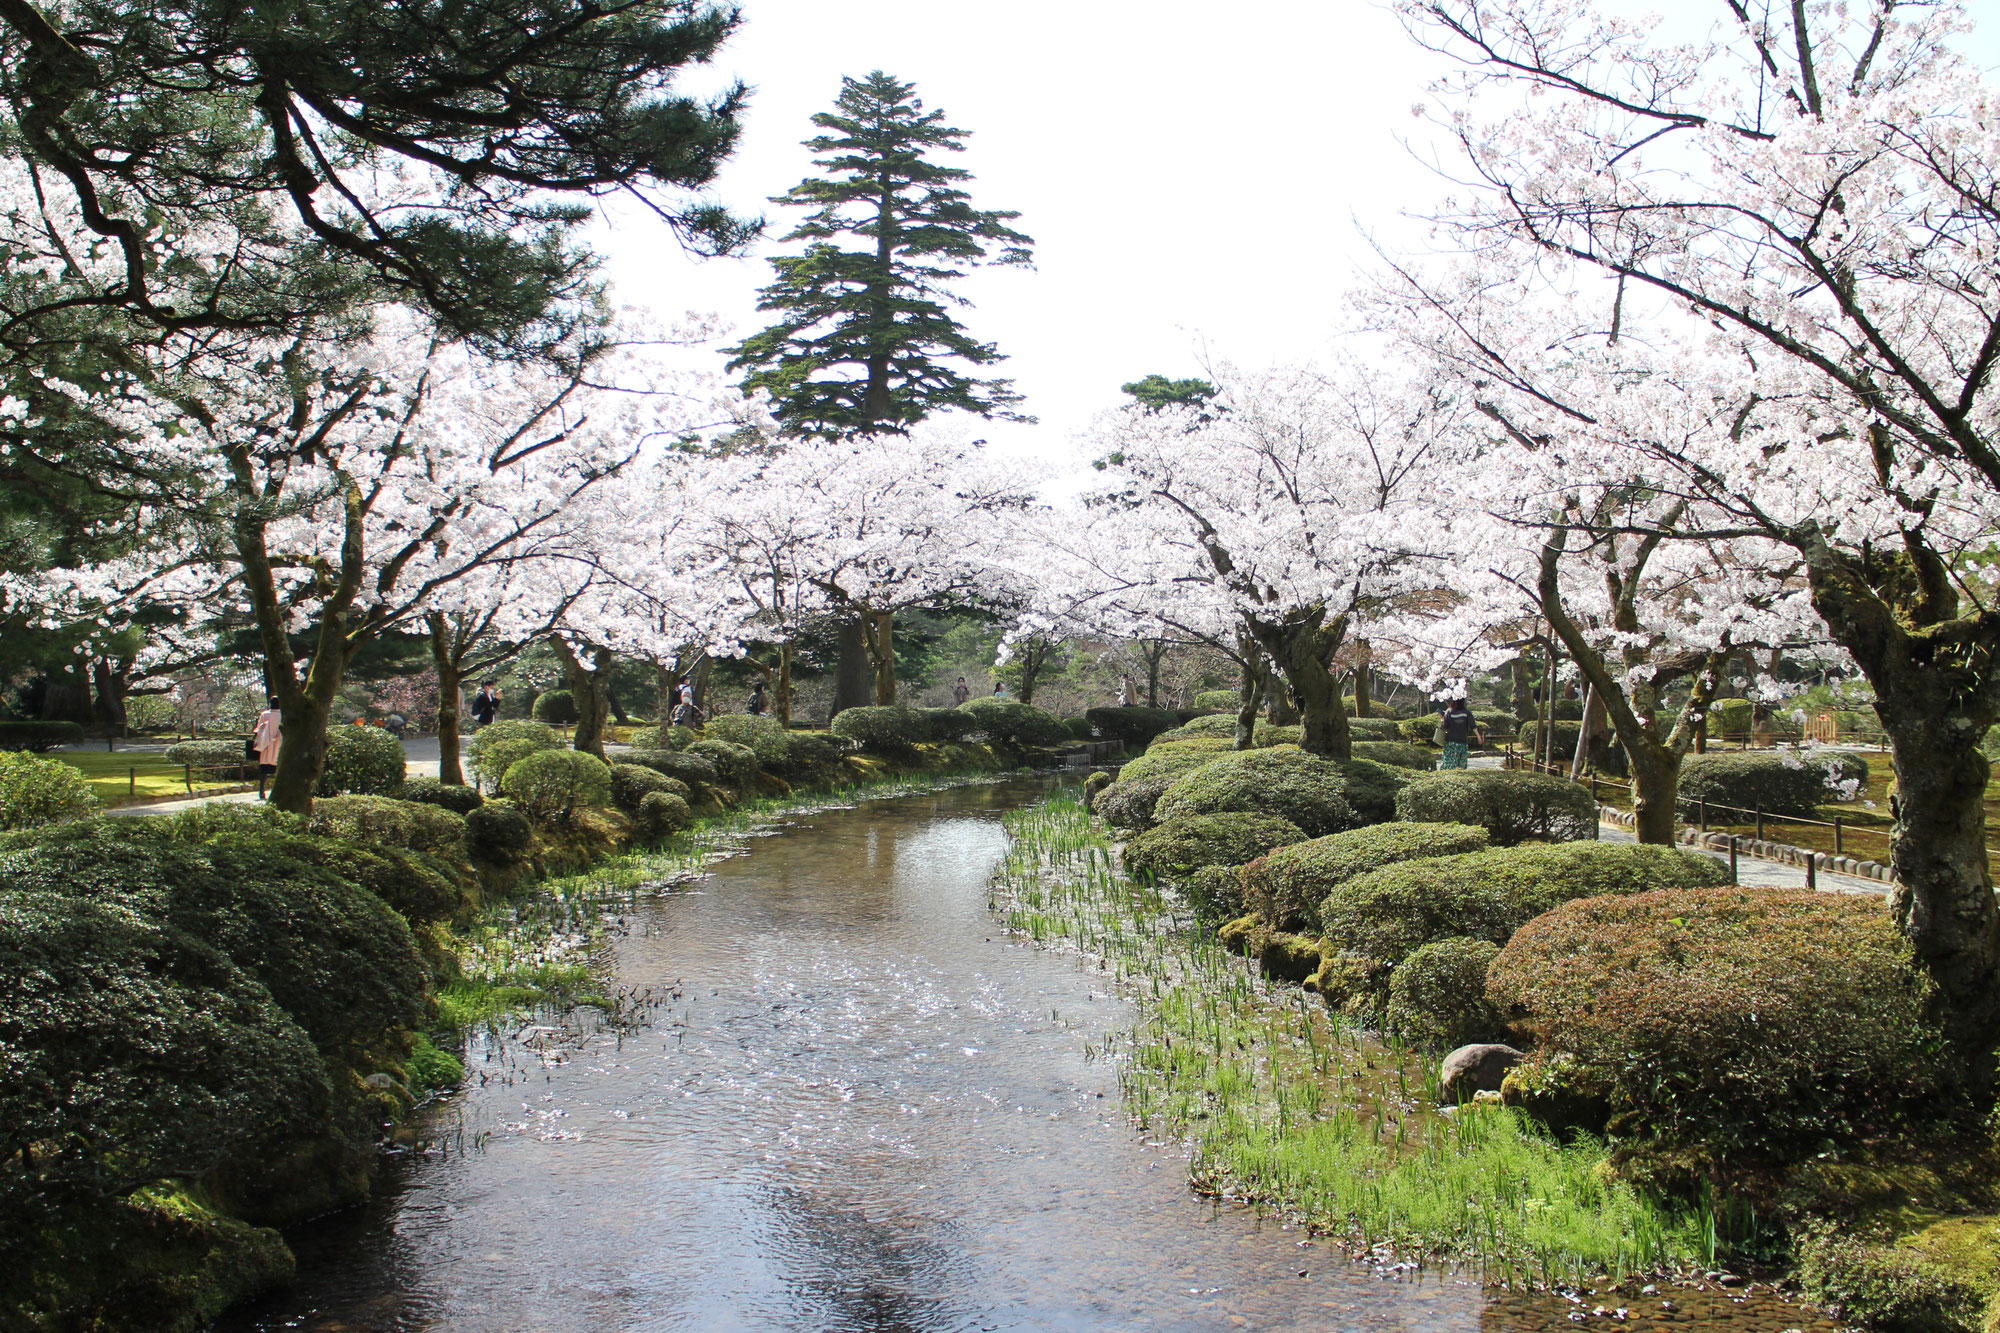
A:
264, 740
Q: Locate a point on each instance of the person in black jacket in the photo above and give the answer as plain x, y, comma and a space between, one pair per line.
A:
1458, 728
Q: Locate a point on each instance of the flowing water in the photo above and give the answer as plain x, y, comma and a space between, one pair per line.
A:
853, 1103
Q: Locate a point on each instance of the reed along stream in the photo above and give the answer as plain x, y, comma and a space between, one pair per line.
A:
850, 1102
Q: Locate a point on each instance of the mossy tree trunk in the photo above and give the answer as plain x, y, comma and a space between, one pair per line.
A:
1364, 679
1524, 692
879, 634
587, 692
1153, 652
853, 683
1250, 690
1303, 644
451, 686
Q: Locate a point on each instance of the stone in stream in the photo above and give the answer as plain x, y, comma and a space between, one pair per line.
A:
1477, 1068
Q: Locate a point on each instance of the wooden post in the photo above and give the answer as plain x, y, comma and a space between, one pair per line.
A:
132, 789
1703, 816
1732, 858
188, 773
1760, 823
1812, 870
1838, 850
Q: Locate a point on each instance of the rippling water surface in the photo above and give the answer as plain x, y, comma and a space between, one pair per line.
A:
857, 1105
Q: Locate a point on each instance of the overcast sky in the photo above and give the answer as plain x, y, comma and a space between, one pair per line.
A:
1198, 179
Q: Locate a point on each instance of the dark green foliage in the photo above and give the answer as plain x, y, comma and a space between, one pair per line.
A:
1377, 729
453, 797
431, 1069
1169, 760
36, 791
1737, 784
1304, 789
887, 729
362, 761
1215, 892
550, 786
211, 759
881, 304
947, 724
1178, 848
555, 707
418, 886
1079, 728
1397, 755
1498, 724
811, 754
764, 736
1511, 806
1566, 710
1388, 914
1017, 724
41, 737
662, 813
632, 783
497, 834
497, 747
1134, 724
1741, 1024
735, 764
693, 769
371, 820
1220, 699
1437, 996
1156, 393
1372, 789
1129, 803
1287, 887
1093, 785
134, 1052
1604, 753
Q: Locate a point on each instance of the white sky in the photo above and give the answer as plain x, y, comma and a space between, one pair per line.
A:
1198, 179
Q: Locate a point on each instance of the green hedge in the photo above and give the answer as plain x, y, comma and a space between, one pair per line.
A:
1018, 724
1287, 887
661, 814
1372, 789
1744, 1024
763, 736
1376, 728
1397, 755
368, 820
421, 888
1782, 784
1134, 724
362, 761
1437, 996
430, 791
1209, 727
1290, 784
41, 737
496, 748
693, 769
632, 783
36, 791
551, 786
1129, 802
1223, 699
555, 707
947, 724
1511, 806
811, 754
1388, 914
211, 759
1177, 848
498, 834
887, 729
734, 764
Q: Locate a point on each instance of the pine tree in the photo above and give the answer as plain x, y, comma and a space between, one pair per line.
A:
865, 339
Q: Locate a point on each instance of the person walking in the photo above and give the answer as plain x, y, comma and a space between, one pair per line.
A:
961, 691
1456, 730
759, 704
264, 743
486, 703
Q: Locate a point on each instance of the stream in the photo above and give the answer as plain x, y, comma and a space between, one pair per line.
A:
854, 1103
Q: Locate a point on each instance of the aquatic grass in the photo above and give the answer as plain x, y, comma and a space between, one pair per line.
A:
1286, 1103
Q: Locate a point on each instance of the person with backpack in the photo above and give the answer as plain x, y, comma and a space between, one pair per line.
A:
759, 704
486, 703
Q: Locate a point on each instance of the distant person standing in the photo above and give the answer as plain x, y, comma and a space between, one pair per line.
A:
1128, 694
264, 742
999, 689
486, 703
961, 691
1457, 727
759, 704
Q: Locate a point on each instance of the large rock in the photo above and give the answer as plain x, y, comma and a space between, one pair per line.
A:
1477, 1068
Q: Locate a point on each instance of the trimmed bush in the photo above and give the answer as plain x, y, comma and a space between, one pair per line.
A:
1437, 997
1092, 785
1730, 717
1372, 789
948, 724
1417, 730
1079, 728
495, 749
1566, 710
420, 887
1215, 892
765, 737
1397, 755
555, 707
1178, 848
692, 769
1287, 887
1168, 761
1511, 806
41, 737
1498, 722
497, 834
810, 753
1266, 734
1304, 789
550, 786
882, 729
1742, 1023
36, 791
212, 759
662, 738
362, 761
453, 797
735, 764
369, 820
661, 814
1390, 913
1375, 728
1224, 699
1214, 724
632, 783
1787, 784
1019, 724
1128, 804
1134, 724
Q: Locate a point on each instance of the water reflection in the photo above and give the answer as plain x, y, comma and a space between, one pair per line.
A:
867, 1110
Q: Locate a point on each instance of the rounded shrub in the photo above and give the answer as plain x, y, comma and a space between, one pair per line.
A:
1092, 785
1741, 1023
1079, 728
362, 761
1511, 806
1388, 914
1169, 761
947, 724
1177, 848
1134, 724
632, 783
885, 729
1437, 996
1215, 892
37, 737
1781, 784
1211, 725
36, 791
1396, 755
555, 707
644, 738
1128, 803
812, 753
212, 759
550, 786
662, 813
1372, 789
380, 820
497, 834
418, 886
663, 738
1018, 724
735, 764
1375, 728
495, 749
1730, 717
1175, 743
452, 796
1216, 699
1498, 723
764, 736
695, 770
1304, 789
1287, 887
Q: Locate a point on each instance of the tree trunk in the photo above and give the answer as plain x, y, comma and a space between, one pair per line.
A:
110, 689
853, 686
698, 681
617, 709
1656, 781
1153, 653
879, 634
1524, 692
1364, 680
586, 691
67, 697
1249, 695
781, 697
1303, 647
444, 660
1280, 710
664, 681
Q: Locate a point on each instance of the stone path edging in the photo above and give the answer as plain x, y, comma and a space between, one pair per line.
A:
1763, 849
